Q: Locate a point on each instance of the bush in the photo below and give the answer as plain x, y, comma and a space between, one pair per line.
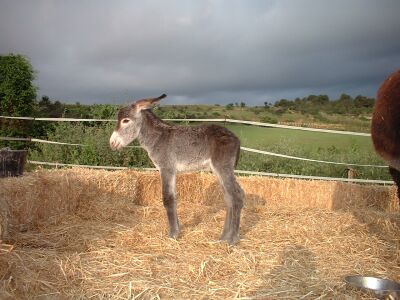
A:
96, 150
269, 119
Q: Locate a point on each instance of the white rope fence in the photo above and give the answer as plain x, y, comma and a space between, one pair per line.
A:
56, 164
57, 119
309, 159
200, 120
242, 148
33, 140
236, 171
210, 120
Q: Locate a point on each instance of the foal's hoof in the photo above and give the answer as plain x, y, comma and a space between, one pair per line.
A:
224, 236
234, 240
173, 234
231, 239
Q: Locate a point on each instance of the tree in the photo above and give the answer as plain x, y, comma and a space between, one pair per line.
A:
345, 97
284, 103
229, 106
45, 101
44, 106
363, 102
17, 95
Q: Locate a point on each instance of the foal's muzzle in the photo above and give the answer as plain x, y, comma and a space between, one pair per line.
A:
116, 142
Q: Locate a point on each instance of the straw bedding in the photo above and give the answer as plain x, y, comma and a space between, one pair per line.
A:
98, 234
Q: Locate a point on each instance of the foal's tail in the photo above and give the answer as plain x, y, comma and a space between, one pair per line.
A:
237, 155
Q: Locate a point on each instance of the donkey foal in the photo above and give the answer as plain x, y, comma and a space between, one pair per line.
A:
175, 149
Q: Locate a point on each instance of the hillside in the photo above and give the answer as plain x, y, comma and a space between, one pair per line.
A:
344, 113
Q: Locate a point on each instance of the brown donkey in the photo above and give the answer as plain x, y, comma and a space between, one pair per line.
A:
385, 128
175, 149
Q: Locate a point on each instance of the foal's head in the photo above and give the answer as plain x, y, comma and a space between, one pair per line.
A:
130, 121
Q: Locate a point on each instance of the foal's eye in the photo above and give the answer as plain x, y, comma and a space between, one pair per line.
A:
125, 121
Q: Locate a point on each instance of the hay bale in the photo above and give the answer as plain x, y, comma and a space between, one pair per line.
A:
101, 234
38, 196
192, 187
204, 188
46, 195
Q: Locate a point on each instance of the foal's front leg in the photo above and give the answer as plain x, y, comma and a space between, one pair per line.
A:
168, 181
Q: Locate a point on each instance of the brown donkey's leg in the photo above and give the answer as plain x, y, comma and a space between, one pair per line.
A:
169, 200
396, 178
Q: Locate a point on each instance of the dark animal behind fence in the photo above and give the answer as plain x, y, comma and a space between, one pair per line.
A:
175, 149
385, 127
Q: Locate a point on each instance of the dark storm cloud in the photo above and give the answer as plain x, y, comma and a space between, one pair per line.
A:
203, 51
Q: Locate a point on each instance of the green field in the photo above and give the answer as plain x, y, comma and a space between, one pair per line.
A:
312, 145
266, 138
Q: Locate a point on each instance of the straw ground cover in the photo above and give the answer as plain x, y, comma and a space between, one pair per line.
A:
98, 234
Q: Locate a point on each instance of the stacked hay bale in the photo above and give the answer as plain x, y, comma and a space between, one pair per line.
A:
45, 195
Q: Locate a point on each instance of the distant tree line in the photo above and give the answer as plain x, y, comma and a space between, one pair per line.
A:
314, 104
236, 104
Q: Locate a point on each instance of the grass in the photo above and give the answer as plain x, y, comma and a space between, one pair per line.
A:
265, 138
312, 145
347, 148
270, 115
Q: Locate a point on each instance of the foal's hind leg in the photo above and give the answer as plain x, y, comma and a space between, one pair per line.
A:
233, 195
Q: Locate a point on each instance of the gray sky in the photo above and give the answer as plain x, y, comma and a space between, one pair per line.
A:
208, 51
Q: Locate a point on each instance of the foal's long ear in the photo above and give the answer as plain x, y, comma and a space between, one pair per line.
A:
148, 103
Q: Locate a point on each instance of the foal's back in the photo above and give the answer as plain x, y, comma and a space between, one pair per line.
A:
196, 147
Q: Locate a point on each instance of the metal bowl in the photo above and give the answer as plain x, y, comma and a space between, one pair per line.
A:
382, 288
